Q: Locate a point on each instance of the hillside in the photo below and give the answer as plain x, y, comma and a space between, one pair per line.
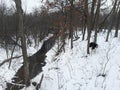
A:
74, 69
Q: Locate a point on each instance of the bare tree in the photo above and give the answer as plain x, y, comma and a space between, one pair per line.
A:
112, 20
23, 41
117, 20
70, 22
96, 19
86, 17
90, 23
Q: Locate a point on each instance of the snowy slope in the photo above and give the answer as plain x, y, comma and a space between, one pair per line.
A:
75, 70
72, 70
6, 73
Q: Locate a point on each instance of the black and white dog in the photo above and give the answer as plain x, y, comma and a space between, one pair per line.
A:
93, 46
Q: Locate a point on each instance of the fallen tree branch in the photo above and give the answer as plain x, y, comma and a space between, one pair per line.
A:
7, 60
12, 56
39, 85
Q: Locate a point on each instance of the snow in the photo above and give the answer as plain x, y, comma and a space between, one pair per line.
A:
74, 69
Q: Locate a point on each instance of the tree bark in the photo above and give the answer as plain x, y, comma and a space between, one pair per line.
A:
86, 18
96, 20
90, 24
117, 22
112, 21
23, 41
71, 20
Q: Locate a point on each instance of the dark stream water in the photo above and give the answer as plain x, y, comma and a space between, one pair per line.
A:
37, 61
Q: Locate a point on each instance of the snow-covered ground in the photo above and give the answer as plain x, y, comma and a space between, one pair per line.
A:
74, 69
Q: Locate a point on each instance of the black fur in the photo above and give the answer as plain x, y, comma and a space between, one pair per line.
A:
93, 45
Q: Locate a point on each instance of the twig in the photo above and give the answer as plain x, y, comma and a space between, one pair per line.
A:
39, 85
11, 56
7, 60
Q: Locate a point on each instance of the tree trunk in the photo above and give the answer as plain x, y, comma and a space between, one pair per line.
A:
89, 34
85, 19
112, 21
90, 24
84, 29
96, 20
23, 41
117, 23
71, 25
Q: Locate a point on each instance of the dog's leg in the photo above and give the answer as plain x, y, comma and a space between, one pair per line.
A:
91, 51
94, 50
